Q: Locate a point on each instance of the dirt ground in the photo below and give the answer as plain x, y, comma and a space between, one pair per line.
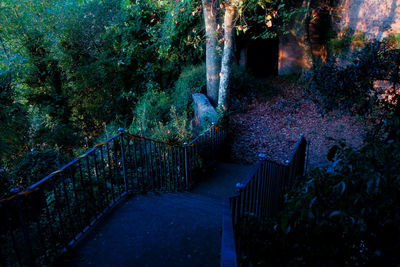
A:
273, 126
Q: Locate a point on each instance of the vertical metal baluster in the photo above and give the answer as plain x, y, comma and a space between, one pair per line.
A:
181, 165
68, 205
179, 169
191, 164
110, 172
284, 172
258, 190
172, 175
273, 187
116, 169
239, 205
280, 186
142, 163
11, 231
83, 188
135, 163
37, 213
270, 176
146, 163
78, 206
251, 187
157, 163
130, 165
90, 183
267, 188
97, 175
28, 243
160, 155
151, 166
248, 197
50, 224
3, 260
103, 169
169, 166
264, 189
263, 199
60, 217
163, 167
254, 193
173, 169
186, 164
121, 137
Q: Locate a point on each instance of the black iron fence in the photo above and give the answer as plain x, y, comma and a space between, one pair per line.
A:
49, 217
258, 195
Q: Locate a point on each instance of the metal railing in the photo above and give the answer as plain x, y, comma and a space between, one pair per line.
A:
258, 195
50, 216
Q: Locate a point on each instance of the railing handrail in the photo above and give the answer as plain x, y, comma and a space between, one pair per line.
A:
213, 126
229, 259
79, 193
254, 170
46, 178
296, 148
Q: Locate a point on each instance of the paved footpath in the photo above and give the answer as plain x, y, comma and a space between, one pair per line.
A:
169, 229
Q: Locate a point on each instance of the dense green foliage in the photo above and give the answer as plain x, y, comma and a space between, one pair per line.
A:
71, 70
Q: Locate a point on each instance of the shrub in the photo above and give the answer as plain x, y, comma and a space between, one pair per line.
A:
4, 182
347, 215
152, 108
351, 85
177, 131
191, 80
35, 165
339, 45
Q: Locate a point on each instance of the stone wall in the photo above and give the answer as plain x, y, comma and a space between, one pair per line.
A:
376, 18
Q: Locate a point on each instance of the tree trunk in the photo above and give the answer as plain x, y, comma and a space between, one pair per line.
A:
213, 59
226, 65
308, 53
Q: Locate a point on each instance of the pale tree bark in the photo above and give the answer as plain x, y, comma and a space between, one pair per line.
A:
213, 59
227, 57
307, 46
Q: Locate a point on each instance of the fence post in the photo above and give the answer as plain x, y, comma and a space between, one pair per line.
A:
288, 177
262, 157
121, 131
186, 165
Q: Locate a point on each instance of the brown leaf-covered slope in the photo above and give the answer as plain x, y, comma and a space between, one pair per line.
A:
273, 126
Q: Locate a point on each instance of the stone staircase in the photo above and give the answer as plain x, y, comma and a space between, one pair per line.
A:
166, 229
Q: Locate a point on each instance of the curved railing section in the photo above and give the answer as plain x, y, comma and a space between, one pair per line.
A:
258, 195
50, 216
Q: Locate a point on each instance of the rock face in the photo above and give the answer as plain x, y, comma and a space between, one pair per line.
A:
376, 19
205, 114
